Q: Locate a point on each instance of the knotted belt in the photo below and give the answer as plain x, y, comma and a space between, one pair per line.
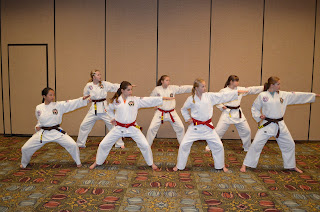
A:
234, 108
52, 128
95, 104
128, 125
166, 111
269, 121
197, 122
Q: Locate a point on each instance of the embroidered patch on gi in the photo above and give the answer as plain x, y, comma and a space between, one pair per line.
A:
171, 95
131, 103
265, 99
38, 112
281, 100
55, 111
101, 86
90, 87
265, 131
158, 94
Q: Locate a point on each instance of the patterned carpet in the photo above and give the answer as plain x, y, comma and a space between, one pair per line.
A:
125, 183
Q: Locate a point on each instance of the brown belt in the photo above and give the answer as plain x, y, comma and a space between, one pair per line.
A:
234, 108
56, 127
269, 121
95, 104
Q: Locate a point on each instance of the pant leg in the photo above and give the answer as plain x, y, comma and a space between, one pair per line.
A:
216, 148
154, 127
106, 144
185, 147
253, 155
106, 118
287, 147
221, 128
70, 145
85, 128
245, 134
29, 148
143, 145
177, 126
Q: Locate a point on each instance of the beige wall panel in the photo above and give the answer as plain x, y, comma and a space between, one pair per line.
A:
80, 48
1, 109
184, 35
131, 47
236, 49
25, 22
26, 62
288, 54
315, 109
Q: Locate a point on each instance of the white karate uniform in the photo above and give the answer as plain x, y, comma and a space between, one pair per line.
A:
202, 110
177, 125
96, 92
48, 116
231, 116
126, 113
274, 107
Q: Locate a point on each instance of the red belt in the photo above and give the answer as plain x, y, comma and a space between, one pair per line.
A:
133, 124
197, 122
166, 111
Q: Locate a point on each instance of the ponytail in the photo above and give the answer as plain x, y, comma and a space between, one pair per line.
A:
163, 77
124, 85
231, 78
271, 81
45, 92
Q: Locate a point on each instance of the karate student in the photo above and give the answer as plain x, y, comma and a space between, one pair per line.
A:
232, 113
269, 107
124, 118
49, 115
97, 90
201, 105
167, 112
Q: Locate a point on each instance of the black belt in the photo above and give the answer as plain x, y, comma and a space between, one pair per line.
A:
234, 108
269, 121
52, 128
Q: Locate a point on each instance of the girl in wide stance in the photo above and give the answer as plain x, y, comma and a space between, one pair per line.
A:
269, 107
98, 91
167, 112
201, 105
49, 115
232, 113
124, 118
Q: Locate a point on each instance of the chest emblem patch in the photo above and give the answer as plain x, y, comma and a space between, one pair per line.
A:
131, 103
90, 87
55, 111
281, 100
265, 99
171, 95
38, 112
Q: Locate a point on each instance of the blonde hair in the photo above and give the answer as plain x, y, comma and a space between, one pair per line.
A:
92, 73
196, 84
271, 81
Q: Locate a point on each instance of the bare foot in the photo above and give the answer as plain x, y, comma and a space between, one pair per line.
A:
122, 147
207, 149
175, 169
154, 167
21, 166
93, 165
298, 170
79, 165
225, 169
243, 168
